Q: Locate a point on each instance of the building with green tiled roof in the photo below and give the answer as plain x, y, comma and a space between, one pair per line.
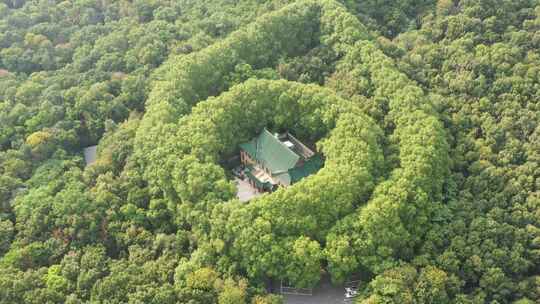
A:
277, 159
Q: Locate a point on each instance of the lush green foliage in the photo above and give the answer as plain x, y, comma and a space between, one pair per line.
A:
264, 249
426, 113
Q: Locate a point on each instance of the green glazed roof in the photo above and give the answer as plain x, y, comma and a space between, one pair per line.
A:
311, 166
271, 153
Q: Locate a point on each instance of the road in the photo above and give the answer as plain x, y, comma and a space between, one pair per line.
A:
325, 293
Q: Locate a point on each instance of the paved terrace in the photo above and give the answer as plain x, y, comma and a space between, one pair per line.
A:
245, 190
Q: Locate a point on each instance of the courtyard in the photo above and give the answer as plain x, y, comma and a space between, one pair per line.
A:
245, 191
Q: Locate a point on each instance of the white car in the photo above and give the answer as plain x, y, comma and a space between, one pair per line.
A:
350, 293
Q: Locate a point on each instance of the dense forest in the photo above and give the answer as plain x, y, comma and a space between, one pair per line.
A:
427, 114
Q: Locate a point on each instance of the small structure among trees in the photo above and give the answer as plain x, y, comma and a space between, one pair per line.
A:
90, 155
273, 160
